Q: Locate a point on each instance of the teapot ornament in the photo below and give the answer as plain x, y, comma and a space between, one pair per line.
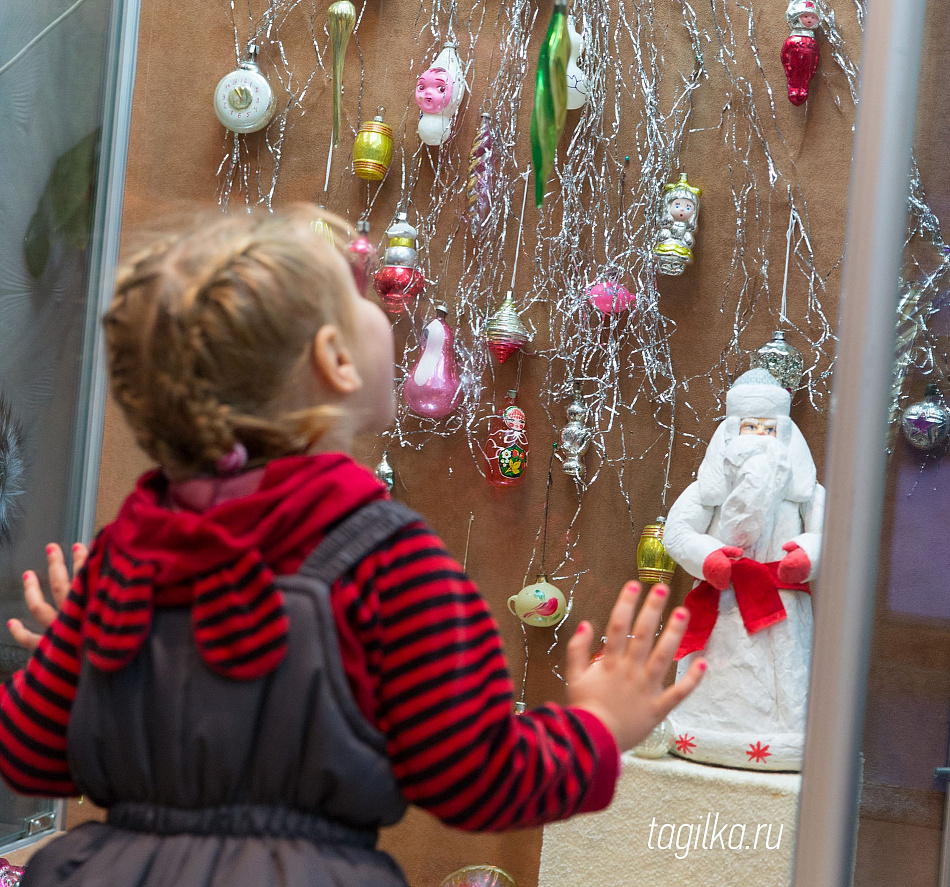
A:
540, 604
578, 86
433, 388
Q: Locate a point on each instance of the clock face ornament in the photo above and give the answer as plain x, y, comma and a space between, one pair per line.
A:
243, 100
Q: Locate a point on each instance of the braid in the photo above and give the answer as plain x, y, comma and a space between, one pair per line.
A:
205, 332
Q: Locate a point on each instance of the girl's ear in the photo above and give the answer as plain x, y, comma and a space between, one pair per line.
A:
332, 361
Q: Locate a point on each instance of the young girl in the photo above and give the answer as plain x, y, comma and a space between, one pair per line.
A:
264, 658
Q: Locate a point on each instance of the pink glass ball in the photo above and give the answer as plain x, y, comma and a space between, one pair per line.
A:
610, 297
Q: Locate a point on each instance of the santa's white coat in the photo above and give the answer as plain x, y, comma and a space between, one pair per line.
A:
749, 709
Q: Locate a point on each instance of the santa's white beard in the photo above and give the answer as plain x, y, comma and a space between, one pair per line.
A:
758, 471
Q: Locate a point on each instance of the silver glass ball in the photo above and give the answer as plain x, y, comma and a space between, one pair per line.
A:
926, 424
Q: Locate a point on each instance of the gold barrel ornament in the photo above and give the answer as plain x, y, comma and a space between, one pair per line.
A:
373, 149
653, 562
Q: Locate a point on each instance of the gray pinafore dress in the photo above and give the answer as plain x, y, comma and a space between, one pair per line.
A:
213, 782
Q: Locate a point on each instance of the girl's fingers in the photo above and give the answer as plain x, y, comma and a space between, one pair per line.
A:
41, 611
58, 574
578, 652
621, 617
22, 635
675, 694
648, 622
80, 553
669, 641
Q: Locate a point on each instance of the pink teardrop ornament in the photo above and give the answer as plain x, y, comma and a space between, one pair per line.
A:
362, 256
610, 297
433, 388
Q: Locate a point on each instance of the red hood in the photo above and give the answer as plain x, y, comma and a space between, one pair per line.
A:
297, 500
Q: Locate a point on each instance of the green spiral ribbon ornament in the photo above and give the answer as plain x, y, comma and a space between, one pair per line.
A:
550, 98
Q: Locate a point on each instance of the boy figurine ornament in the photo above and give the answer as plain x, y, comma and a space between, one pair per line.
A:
674, 247
800, 52
749, 530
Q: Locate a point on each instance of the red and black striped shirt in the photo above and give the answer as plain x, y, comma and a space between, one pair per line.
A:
425, 663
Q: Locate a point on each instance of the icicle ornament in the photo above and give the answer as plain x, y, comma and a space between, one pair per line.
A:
481, 172
341, 17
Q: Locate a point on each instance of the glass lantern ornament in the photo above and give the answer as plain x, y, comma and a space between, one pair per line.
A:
926, 424
658, 743
782, 359
341, 18
433, 388
540, 604
504, 331
384, 472
654, 563
362, 256
399, 280
800, 50
479, 876
373, 149
575, 437
244, 100
439, 93
507, 446
610, 297
674, 246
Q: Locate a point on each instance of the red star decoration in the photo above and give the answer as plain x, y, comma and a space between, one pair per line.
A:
758, 752
684, 743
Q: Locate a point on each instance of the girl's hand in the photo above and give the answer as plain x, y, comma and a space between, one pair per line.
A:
625, 688
59, 581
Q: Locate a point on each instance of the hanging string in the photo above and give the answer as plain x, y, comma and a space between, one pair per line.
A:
524, 200
468, 539
783, 319
547, 502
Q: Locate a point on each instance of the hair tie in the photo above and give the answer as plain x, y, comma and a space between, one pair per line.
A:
233, 462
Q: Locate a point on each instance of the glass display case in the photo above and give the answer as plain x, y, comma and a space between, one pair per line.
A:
65, 90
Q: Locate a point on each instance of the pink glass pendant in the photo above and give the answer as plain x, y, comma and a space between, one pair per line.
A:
433, 388
362, 256
610, 297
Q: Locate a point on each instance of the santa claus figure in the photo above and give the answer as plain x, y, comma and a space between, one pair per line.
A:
749, 529
800, 52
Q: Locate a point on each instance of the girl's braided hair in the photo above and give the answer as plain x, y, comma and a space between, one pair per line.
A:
208, 328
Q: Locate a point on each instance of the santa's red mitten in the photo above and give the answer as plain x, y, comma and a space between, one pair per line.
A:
717, 568
795, 567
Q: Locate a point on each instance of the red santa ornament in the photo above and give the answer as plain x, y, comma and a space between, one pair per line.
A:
749, 530
800, 52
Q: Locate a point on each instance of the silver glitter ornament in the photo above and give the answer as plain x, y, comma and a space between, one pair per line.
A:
926, 424
575, 437
384, 472
781, 359
658, 743
505, 331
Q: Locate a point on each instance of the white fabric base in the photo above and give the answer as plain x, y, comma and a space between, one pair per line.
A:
681, 800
